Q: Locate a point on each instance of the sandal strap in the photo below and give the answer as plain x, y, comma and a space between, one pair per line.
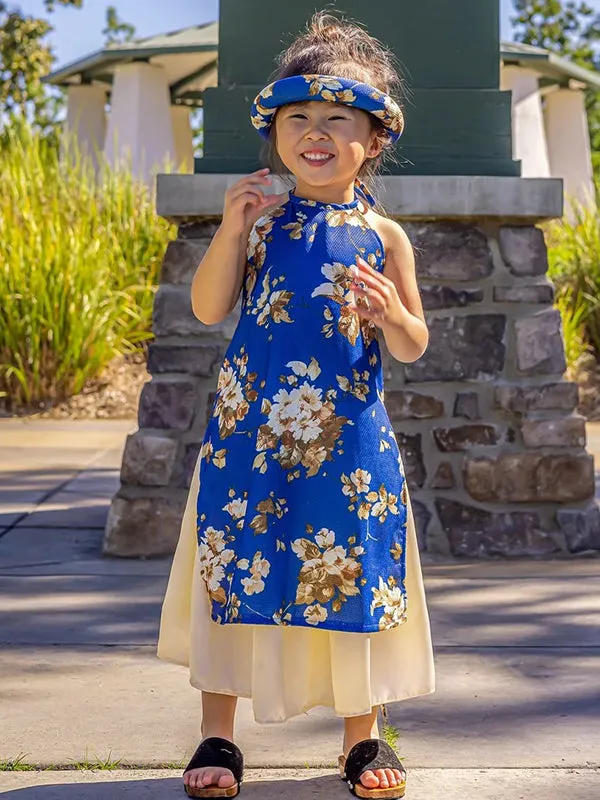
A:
217, 752
370, 754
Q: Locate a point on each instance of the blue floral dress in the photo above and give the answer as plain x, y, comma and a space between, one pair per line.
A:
302, 506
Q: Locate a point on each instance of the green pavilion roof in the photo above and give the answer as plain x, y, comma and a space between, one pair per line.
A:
190, 57
553, 67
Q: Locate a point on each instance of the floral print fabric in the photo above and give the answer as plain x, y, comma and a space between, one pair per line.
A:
328, 88
302, 507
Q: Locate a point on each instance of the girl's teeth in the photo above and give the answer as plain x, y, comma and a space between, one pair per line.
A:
317, 157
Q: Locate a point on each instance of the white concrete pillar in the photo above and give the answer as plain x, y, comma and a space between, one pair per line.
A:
184, 140
569, 146
140, 128
86, 119
529, 133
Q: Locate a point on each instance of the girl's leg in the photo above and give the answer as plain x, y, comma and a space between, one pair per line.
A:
356, 729
218, 716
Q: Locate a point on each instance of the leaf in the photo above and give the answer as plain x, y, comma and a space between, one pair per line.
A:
259, 524
219, 596
259, 462
344, 383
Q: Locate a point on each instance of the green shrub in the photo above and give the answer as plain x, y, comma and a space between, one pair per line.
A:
574, 268
79, 263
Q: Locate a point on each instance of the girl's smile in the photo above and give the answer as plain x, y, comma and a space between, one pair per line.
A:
317, 158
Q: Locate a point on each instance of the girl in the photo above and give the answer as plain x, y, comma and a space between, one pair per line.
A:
297, 579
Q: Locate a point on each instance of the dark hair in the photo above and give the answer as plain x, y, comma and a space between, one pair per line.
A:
333, 45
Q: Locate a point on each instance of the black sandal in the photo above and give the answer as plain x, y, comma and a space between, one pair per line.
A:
371, 754
216, 752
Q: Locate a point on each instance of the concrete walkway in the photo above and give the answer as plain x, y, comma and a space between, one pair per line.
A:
516, 713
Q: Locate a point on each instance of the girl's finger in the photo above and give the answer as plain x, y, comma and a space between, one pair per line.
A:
373, 292
249, 196
364, 271
272, 199
235, 191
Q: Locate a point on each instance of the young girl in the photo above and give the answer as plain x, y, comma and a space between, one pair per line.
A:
297, 579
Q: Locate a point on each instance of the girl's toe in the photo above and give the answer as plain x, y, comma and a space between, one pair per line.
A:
369, 780
382, 778
392, 781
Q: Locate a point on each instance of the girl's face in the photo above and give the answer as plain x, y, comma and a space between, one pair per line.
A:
324, 144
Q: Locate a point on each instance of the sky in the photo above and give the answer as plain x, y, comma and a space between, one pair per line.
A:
78, 32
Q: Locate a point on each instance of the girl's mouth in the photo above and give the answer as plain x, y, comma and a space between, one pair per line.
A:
317, 158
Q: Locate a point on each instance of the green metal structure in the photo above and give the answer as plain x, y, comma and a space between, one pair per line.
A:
458, 121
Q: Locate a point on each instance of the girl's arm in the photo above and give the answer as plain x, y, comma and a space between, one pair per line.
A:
218, 280
397, 306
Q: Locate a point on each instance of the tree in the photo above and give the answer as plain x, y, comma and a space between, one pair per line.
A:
570, 29
24, 59
117, 31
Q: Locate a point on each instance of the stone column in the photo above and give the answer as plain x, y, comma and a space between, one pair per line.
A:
493, 446
86, 119
529, 133
140, 128
569, 147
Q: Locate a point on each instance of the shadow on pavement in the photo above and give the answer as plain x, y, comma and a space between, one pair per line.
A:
165, 788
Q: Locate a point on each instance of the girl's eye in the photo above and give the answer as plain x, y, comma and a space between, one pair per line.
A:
338, 117
297, 115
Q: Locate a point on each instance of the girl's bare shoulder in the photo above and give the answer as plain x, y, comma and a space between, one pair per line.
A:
391, 233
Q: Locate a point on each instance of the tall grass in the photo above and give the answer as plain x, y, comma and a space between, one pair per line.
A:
80, 256
574, 268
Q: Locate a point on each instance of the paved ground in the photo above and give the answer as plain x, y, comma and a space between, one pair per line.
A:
515, 715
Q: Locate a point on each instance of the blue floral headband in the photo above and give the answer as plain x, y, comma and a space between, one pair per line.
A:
329, 88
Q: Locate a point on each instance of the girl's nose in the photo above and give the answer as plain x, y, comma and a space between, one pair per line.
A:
316, 133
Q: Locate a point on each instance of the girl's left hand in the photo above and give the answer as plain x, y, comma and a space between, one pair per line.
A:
378, 298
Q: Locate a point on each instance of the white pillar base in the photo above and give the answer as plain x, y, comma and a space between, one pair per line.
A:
529, 135
86, 120
569, 143
140, 129
184, 141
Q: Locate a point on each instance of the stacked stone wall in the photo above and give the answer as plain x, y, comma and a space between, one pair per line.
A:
494, 449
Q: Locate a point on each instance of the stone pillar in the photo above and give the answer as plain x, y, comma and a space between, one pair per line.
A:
86, 119
493, 446
569, 149
529, 132
140, 128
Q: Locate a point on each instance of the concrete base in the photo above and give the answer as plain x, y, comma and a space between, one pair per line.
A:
411, 196
451, 784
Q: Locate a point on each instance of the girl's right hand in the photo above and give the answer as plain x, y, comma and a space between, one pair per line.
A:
245, 201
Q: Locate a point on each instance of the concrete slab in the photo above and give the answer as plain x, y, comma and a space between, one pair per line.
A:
25, 547
555, 612
34, 480
80, 609
19, 460
68, 510
10, 518
451, 784
403, 196
104, 482
60, 434
124, 568
495, 708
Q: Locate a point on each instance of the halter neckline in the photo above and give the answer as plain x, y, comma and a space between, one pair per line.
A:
305, 201
361, 196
